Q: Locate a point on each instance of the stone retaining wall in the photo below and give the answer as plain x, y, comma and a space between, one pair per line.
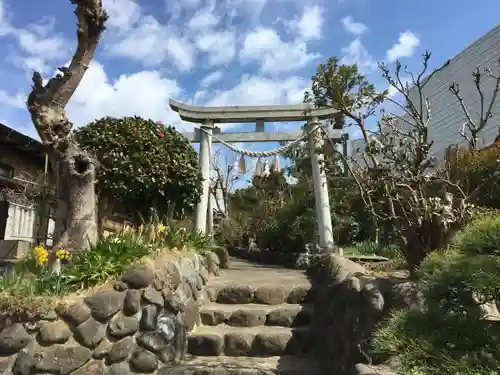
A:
137, 325
348, 305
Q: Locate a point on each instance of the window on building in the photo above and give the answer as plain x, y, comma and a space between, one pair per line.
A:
6, 171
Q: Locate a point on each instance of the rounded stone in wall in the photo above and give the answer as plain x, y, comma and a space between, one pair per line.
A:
149, 318
90, 333
138, 277
13, 339
121, 326
144, 361
120, 350
104, 305
235, 294
56, 332
75, 314
132, 302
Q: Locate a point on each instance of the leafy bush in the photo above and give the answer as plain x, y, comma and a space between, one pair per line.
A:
477, 172
452, 334
480, 237
438, 345
143, 164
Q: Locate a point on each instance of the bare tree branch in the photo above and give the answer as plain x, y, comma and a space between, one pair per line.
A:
474, 127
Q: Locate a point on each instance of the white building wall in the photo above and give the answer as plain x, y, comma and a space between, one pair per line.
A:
447, 116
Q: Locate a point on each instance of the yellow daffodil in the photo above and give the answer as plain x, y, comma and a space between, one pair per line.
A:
161, 228
63, 254
41, 254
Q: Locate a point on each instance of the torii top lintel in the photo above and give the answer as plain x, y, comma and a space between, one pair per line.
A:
243, 114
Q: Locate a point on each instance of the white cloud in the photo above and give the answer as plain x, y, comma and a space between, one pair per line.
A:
257, 90
40, 45
211, 78
17, 101
407, 43
252, 8
31, 64
144, 94
5, 27
219, 45
204, 18
353, 27
152, 43
310, 23
182, 52
265, 46
123, 14
356, 53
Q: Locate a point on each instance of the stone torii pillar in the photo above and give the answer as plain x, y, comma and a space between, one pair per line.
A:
321, 197
205, 161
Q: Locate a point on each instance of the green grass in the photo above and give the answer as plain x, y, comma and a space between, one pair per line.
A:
371, 248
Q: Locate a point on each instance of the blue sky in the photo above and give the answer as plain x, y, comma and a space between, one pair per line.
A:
221, 52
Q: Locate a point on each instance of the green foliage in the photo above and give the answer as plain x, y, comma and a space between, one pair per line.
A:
343, 87
477, 172
480, 237
281, 218
373, 248
452, 334
437, 261
452, 289
439, 345
142, 163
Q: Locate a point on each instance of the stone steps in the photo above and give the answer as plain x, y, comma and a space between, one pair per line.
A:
255, 320
259, 341
257, 293
284, 365
250, 315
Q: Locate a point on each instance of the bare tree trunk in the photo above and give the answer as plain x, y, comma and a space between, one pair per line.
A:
76, 219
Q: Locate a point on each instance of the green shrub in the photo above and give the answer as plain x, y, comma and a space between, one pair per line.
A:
435, 262
436, 345
451, 334
451, 290
477, 171
482, 236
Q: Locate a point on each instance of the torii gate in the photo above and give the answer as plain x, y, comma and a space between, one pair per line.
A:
208, 116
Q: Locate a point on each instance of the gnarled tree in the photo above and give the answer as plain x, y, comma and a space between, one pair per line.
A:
75, 169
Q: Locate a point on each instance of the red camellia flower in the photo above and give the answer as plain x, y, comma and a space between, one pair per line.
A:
161, 134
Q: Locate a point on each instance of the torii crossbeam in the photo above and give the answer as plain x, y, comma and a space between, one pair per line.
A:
208, 116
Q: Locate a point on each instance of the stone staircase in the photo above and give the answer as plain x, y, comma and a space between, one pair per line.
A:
256, 323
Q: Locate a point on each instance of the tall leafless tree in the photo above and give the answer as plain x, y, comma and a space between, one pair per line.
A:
76, 226
226, 173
